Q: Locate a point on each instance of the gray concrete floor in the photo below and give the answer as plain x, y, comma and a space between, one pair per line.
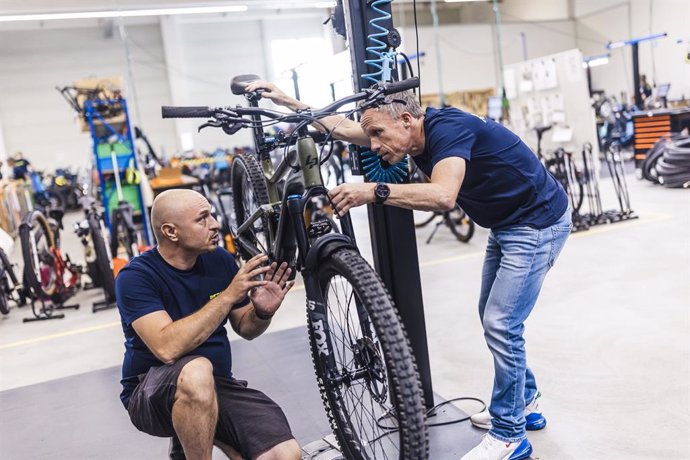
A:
609, 339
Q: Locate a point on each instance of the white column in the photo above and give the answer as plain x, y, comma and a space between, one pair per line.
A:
179, 90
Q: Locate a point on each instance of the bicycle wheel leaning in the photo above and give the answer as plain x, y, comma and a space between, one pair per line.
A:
39, 265
249, 193
364, 365
104, 261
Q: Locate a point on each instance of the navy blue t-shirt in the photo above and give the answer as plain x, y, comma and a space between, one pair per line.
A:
505, 184
148, 284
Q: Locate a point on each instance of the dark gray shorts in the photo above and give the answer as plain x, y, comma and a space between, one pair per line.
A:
248, 420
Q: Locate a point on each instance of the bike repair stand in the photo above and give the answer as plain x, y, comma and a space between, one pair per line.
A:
44, 314
104, 304
392, 229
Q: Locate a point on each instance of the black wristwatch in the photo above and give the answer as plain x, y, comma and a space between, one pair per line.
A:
381, 192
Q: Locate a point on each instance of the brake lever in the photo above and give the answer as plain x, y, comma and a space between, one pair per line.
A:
211, 123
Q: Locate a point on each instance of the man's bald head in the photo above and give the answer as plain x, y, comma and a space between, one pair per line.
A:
171, 207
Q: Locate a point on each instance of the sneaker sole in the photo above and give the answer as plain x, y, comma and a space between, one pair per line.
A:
522, 451
535, 423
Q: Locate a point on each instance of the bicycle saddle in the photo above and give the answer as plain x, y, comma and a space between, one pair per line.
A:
240, 82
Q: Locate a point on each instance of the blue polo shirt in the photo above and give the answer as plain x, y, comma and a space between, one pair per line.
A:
148, 284
505, 183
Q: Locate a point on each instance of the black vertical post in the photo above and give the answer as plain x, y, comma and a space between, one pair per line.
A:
589, 79
295, 83
636, 74
392, 230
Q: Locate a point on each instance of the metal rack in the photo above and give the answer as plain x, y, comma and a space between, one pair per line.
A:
114, 134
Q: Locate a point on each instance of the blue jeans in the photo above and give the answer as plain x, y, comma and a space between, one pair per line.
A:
516, 262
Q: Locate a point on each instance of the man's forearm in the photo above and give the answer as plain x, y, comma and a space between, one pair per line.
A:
251, 326
186, 334
343, 128
424, 197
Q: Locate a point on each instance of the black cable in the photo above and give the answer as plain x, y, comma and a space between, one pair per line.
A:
431, 413
416, 35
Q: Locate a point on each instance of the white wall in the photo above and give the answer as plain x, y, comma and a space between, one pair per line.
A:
600, 21
35, 118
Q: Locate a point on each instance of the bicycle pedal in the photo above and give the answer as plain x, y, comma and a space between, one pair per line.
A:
319, 228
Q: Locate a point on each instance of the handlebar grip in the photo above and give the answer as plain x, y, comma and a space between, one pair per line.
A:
186, 112
398, 86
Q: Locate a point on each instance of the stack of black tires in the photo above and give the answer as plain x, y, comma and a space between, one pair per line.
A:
668, 162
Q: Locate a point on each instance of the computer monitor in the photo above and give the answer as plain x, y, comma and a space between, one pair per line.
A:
662, 90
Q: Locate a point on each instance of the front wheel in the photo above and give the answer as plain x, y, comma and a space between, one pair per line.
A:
104, 260
364, 364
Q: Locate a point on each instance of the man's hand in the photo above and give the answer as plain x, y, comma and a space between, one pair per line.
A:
268, 297
273, 93
247, 278
347, 196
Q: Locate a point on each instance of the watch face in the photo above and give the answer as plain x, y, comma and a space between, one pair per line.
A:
382, 191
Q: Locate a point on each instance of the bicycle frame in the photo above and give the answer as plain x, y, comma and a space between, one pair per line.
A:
291, 224
61, 266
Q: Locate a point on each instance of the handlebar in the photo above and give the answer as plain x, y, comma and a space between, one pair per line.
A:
230, 118
186, 112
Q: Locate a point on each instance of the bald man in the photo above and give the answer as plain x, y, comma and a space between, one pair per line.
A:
174, 301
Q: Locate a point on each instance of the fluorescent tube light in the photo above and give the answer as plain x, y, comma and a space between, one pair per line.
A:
124, 13
595, 61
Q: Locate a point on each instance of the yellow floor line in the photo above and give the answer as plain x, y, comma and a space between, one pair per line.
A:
60, 334
648, 219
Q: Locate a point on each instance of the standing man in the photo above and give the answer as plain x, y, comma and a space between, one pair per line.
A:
502, 186
174, 301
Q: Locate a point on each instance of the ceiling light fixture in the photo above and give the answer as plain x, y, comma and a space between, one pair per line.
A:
124, 13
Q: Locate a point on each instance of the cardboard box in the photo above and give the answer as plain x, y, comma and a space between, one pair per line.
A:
110, 88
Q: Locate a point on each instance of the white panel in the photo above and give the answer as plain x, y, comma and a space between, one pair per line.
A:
468, 51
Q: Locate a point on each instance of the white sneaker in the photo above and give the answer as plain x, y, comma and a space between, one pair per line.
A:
533, 417
491, 448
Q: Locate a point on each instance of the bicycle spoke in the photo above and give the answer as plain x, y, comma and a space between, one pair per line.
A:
360, 371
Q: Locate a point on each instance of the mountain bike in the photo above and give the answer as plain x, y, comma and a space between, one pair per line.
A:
93, 235
50, 276
365, 368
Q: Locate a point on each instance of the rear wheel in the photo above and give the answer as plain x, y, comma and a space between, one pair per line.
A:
123, 234
39, 261
104, 261
4, 294
364, 364
249, 193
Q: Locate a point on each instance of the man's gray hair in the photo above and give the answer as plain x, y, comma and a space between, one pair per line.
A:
396, 104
